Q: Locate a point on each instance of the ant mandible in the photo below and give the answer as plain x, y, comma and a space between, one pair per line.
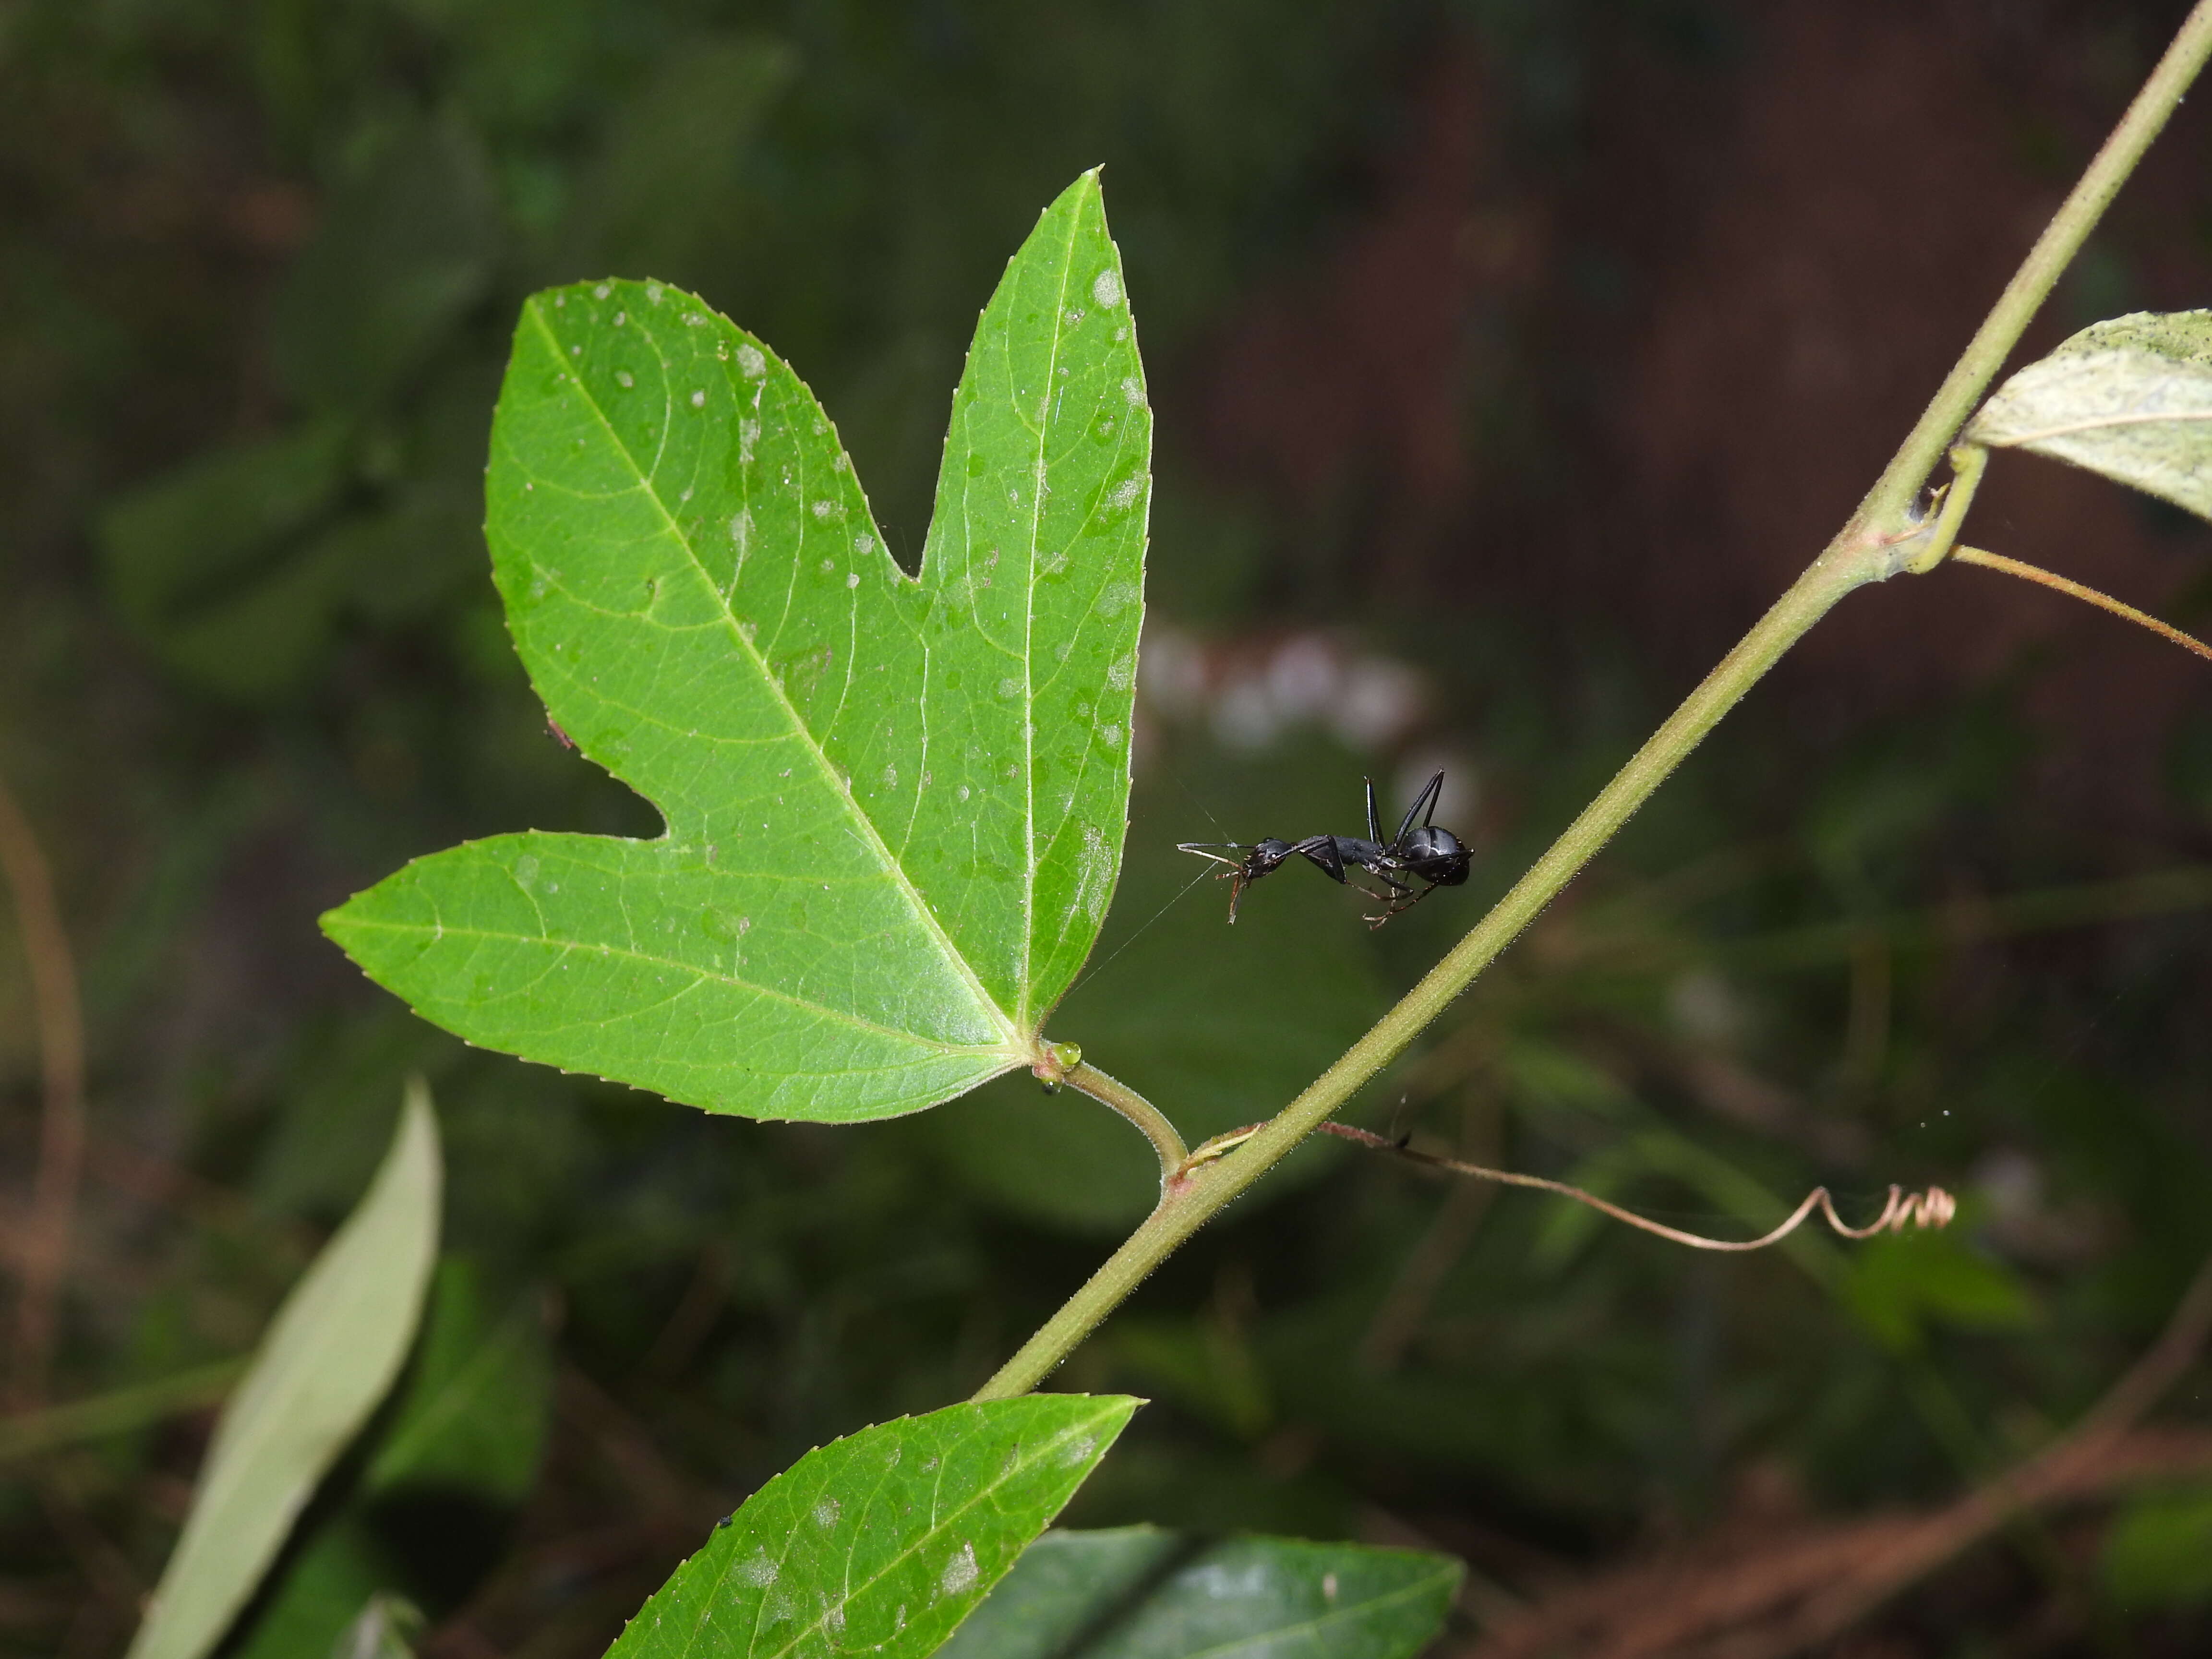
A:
1421, 851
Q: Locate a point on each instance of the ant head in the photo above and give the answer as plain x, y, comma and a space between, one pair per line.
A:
1435, 855
1267, 855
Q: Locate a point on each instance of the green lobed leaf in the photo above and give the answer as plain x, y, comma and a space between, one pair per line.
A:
883, 1541
895, 806
329, 1355
1141, 1593
2131, 398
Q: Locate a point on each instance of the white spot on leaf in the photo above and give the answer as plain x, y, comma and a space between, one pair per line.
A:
1094, 875
1106, 288
960, 1573
751, 362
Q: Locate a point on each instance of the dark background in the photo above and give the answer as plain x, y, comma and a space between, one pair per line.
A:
1510, 356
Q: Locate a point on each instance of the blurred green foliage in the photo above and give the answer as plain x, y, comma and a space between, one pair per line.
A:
261, 272
2159, 1553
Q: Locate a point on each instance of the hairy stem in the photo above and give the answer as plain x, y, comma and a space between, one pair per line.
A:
1112, 1091
2037, 574
1879, 542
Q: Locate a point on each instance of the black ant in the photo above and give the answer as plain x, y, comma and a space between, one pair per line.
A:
1421, 851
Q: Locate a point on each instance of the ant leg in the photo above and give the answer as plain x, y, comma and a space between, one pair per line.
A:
1400, 905
1393, 901
1374, 823
1430, 792
1380, 898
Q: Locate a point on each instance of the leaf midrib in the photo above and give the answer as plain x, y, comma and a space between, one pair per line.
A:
958, 961
1037, 496
2103, 423
700, 975
935, 1529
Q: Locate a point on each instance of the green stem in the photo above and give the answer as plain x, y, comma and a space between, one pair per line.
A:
1122, 1099
1880, 540
2061, 238
2074, 590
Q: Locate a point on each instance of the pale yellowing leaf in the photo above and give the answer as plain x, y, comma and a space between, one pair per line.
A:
2131, 398
330, 1354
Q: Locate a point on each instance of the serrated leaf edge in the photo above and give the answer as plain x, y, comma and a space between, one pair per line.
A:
1037, 497
1121, 1406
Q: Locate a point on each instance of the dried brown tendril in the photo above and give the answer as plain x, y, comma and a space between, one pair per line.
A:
1901, 1211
